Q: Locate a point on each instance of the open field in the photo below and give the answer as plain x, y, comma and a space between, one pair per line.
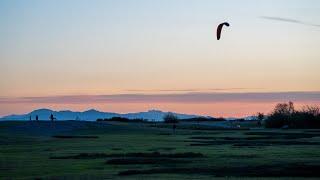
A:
105, 150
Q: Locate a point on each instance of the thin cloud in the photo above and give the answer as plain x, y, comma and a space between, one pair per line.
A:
172, 98
190, 90
289, 20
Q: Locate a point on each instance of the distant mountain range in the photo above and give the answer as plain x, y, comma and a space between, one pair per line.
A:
92, 115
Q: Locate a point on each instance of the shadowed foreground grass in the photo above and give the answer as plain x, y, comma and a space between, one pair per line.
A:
135, 150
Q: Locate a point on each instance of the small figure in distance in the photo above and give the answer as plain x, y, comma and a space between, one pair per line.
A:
37, 118
51, 117
174, 128
30, 118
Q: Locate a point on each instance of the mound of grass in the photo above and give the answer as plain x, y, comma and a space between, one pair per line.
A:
125, 161
164, 134
233, 156
139, 154
280, 137
167, 171
250, 143
232, 138
82, 156
71, 137
169, 155
162, 149
285, 135
275, 170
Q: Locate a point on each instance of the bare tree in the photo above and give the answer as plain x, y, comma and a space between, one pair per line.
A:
284, 108
313, 110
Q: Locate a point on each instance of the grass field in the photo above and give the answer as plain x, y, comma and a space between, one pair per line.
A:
114, 150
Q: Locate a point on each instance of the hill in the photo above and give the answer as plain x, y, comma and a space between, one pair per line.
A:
92, 115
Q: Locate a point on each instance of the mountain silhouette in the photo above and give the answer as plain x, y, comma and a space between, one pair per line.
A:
92, 115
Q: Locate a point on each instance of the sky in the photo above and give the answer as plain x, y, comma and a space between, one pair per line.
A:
82, 54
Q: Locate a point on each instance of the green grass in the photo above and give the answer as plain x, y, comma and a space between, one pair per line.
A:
24, 156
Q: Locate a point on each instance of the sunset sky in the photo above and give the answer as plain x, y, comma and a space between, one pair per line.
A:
135, 55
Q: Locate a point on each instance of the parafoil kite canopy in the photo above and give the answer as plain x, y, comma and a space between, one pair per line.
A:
219, 29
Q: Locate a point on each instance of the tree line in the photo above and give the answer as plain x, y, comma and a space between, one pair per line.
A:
284, 115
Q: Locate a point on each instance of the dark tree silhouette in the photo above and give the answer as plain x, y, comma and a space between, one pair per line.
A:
314, 110
285, 115
260, 118
284, 108
172, 119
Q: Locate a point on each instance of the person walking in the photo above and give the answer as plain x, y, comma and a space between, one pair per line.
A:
51, 117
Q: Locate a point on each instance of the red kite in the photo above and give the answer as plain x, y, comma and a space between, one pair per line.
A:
219, 29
